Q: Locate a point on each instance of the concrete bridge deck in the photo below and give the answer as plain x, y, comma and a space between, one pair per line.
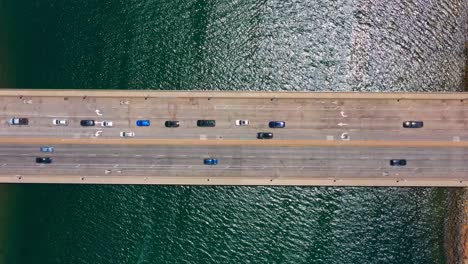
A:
329, 139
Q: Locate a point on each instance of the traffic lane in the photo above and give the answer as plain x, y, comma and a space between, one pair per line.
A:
298, 122
245, 113
344, 162
453, 153
115, 107
242, 133
249, 160
225, 170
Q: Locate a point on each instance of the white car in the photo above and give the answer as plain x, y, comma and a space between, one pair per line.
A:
127, 134
60, 122
107, 124
242, 122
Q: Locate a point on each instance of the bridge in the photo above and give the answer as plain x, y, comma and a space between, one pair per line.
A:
332, 139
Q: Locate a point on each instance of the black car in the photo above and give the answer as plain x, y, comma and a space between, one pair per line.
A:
264, 135
206, 123
87, 122
397, 162
413, 124
277, 124
44, 160
171, 123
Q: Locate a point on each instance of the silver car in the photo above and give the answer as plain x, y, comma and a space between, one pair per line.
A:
127, 134
242, 122
47, 149
107, 124
60, 122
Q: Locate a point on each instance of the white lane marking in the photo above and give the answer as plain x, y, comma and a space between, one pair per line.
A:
98, 112
330, 138
3, 165
203, 137
343, 114
116, 165
342, 124
98, 133
227, 156
456, 138
27, 101
77, 165
161, 155
183, 156
137, 155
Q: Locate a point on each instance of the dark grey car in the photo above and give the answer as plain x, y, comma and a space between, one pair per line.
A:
264, 135
397, 162
87, 122
413, 124
171, 123
44, 160
206, 123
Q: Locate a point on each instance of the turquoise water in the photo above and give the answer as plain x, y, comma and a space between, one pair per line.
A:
228, 45
161, 224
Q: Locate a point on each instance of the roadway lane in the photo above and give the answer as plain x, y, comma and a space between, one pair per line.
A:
306, 119
241, 162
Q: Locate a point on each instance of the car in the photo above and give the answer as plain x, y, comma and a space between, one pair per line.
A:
60, 122
397, 162
206, 123
143, 123
210, 161
170, 123
413, 124
87, 123
18, 121
44, 160
107, 123
277, 124
47, 149
242, 122
264, 135
127, 134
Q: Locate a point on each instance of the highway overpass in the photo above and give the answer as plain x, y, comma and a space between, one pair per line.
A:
343, 139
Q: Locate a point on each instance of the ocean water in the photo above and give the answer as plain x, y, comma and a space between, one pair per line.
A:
228, 45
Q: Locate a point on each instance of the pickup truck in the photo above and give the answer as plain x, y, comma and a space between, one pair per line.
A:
18, 121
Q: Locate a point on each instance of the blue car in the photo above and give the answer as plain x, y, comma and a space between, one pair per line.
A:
143, 123
277, 124
210, 161
47, 149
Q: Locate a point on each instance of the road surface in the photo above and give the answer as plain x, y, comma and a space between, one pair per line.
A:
347, 140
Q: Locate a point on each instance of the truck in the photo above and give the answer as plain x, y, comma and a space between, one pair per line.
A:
18, 121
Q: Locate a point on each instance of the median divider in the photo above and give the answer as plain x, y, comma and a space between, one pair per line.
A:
232, 142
